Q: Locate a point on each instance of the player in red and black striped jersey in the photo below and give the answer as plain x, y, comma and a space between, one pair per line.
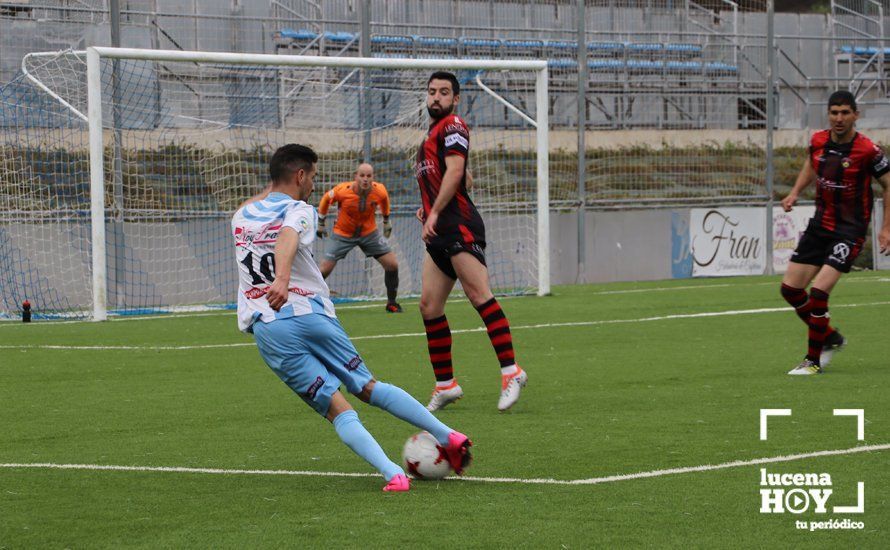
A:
842, 162
455, 242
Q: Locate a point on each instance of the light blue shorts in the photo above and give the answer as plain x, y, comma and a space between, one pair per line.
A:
312, 355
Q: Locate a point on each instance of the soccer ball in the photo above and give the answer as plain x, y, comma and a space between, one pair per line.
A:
423, 458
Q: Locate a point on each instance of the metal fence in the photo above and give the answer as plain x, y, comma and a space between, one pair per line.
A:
653, 102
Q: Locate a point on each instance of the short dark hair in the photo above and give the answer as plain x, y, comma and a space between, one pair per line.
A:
842, 97
290, 158
445, 75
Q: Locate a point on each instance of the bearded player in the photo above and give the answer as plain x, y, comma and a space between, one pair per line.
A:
842, 162
455, 244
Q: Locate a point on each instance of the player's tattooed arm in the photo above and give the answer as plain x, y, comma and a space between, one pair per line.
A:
806, 176
884, 234
285, 251
259, 196
454, 173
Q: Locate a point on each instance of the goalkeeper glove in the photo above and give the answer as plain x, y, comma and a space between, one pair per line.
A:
387, 227
320, 232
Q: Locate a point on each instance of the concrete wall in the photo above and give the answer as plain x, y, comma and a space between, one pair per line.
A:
633, 245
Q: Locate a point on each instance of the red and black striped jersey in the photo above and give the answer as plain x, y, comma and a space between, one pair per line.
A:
448, 136
844, 196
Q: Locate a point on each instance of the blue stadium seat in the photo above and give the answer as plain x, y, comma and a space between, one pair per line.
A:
479, 42
439, 41
392, 44
606, 65
560, 48
339, 43
863, 50
561, 44
644, 47
526, 44
301, 34
683, 66
392, 40
615, 48
683, 49
717, 67
486, 48
342, 37
435, 46
562, 63
523, 48
645, 65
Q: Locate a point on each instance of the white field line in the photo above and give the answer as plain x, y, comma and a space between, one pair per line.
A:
189, 315
221, 313
120, 319
158, 316
456, 331
724, 285
527, 481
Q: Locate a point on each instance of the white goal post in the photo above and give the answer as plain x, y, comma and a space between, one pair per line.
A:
509, 157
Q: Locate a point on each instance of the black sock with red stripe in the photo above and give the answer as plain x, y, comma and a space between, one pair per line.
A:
818, 324
798, 299
803, 306
498, 331
438, 341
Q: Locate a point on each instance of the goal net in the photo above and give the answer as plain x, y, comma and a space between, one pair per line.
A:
125, 209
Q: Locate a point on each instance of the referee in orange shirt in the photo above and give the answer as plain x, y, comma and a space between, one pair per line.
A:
356, 225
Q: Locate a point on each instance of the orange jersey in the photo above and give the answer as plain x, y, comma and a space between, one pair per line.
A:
355, 214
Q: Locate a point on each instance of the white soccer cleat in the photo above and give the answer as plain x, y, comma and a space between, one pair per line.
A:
833, 344
805, 368
445, 396
511, 387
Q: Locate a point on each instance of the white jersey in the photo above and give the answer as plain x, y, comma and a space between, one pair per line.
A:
255, 228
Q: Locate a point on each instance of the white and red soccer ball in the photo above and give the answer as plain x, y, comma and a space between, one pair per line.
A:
424, 458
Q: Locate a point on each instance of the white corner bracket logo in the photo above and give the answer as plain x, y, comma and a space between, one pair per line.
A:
801, 492
764, 417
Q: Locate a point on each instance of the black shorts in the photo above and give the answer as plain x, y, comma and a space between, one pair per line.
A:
442, 249
821, 247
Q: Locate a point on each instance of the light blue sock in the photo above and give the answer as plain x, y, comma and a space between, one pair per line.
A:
357, 438
398, 403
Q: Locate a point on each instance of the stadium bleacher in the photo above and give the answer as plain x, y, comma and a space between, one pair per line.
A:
677, 58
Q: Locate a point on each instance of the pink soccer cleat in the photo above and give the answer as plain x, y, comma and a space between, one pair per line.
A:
398, 484
458, 452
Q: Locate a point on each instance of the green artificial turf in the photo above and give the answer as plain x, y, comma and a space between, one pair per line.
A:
621, 380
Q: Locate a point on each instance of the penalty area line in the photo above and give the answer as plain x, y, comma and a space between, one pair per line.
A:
527, 481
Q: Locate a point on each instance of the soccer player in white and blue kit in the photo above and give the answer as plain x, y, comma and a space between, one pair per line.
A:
284, 301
